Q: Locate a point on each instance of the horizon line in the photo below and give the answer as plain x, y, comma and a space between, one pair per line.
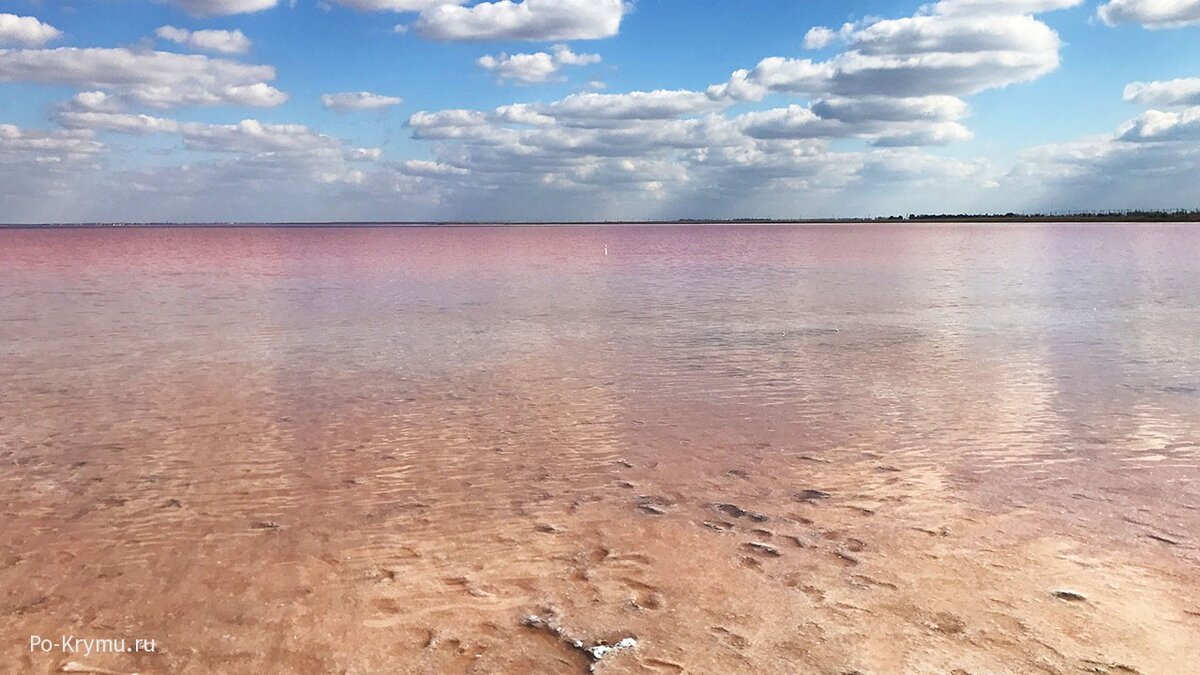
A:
1131, 216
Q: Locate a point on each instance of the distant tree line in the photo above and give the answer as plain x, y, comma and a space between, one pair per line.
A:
1127, 215
1131, 215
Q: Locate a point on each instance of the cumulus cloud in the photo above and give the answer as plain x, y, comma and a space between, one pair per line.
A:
954, 47
819, 38
397, 5
900, 82
275, 148
364, 154
42, 171
222, 7
93, 101
637, 105
884, 121
999, 7
152, 78
32, 147
1108, 173
1154, 14
358, 100
446, 123
222, 41
1184, 91
424, 167
1148, 162
242, 171
247, 136
941, 133
26, 30
855, 124
1158, 126
915, 168
538, 133
644, 148
536, 67
537, 20
884, 109
522, 113
896, 85
794, 121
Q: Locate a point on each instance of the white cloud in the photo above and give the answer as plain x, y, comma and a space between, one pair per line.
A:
522, 113
883, 121
638, 105
525, 20
423, 167
242, 171
258, 189
30, 147
830, 149
1152, 14
358, 100
1158, 125
43, 171
794, 122
566, 57
252, 136
536, 67
397, 5
955, 47
819, 37
1184, 91
275, 148
896, 85
913, 167
97, 101
1150, 161
26, 30
125, 123
1106, 172
885, 109
467, 125
940, 133
999, 7
673, 147
152, 78
222, 41
222, 7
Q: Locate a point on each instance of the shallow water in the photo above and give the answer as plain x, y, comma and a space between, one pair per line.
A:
376, 449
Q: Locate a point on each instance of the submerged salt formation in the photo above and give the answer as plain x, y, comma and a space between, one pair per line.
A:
595, 653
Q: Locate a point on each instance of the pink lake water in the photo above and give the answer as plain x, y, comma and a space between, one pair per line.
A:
373, 450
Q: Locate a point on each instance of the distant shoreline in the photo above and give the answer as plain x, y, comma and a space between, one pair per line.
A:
1127, 217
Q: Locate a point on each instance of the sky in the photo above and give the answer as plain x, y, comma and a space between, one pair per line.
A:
414, 110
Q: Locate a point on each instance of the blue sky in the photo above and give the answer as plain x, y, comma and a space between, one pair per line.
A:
211, 110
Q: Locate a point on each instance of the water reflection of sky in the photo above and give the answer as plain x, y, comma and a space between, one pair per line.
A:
1008, 347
